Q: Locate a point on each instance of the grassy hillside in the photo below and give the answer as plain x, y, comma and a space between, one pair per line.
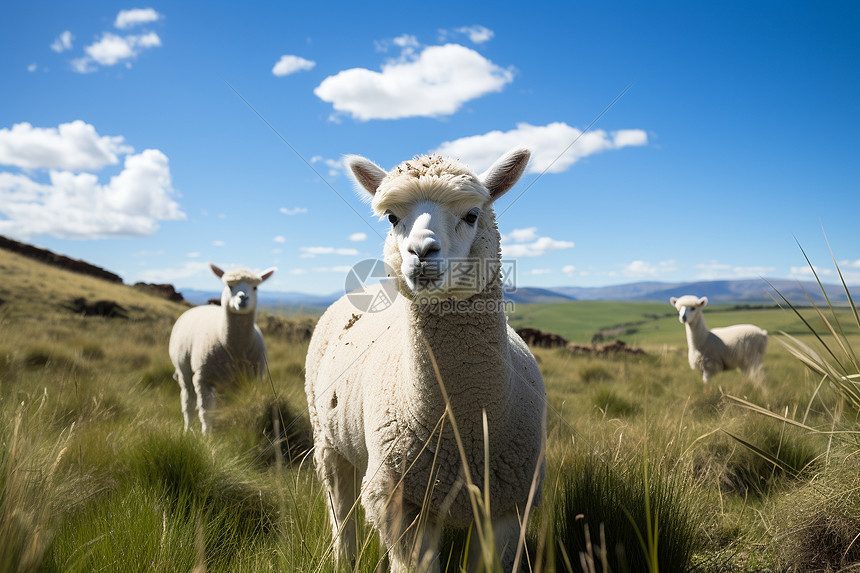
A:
33, 290
97, 474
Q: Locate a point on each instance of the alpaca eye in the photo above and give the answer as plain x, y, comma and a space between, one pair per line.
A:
472, 216
392, 217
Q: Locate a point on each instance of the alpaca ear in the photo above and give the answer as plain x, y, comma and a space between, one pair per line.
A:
703, 301
218, 272
673, 300
499, 178
267, 273
365, 172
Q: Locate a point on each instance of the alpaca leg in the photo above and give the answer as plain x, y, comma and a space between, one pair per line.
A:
397, 522
339, 477
187, 397
506, 532
205, 400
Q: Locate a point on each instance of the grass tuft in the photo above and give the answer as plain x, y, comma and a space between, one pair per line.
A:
596, 501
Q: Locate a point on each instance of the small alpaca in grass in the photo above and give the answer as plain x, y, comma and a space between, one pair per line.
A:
212, 345
376, 401
711, 351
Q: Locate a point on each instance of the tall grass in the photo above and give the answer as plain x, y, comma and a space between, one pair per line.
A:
628, 517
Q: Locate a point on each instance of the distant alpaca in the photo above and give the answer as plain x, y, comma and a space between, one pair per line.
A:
739, 346
373, 392
212, 344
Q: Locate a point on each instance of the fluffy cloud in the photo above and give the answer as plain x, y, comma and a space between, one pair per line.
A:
477, 34
568, 269
280, 239
32, 67
311, 252
63, 42
293, 211
807, 271
521, 235
641, 269
335, 166
74, 146
435, 82
134, 17
527, 243
713, 270
540, 271
358, 237
555, 147
291, 64
112, 49
74, 205
174, 274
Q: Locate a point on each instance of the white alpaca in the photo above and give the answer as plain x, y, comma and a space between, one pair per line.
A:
739, 346
374, 399
212, 345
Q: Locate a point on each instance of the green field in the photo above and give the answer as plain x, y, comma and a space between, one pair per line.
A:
96, 473
652, 324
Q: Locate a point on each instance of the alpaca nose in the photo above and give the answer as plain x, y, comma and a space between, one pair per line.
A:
243, 299
425, 248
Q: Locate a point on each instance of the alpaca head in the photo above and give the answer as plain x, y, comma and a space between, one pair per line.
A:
240, 289
443, 240
689, 307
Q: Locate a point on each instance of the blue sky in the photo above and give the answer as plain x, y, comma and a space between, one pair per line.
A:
123, 144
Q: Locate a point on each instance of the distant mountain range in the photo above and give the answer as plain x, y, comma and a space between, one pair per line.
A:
756, 291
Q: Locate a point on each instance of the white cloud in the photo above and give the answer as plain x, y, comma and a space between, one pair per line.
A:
297, 272
193, 255
477, 34
293, 211
218, 243
280, 239
521, 235
339, 269
850, 264
335, 166
74, 146
358, 237
112, 49
807, 271
63, 42
568, 270
713, 270
435, 82
289, 64
535, 249
172, 274
78, 206
527, 243
32, 67
134, 17
311, 252
641, 269
540, 271
550, 145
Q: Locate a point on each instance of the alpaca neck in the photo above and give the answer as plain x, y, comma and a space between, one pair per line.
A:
470, 346
237, 330
697, 332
